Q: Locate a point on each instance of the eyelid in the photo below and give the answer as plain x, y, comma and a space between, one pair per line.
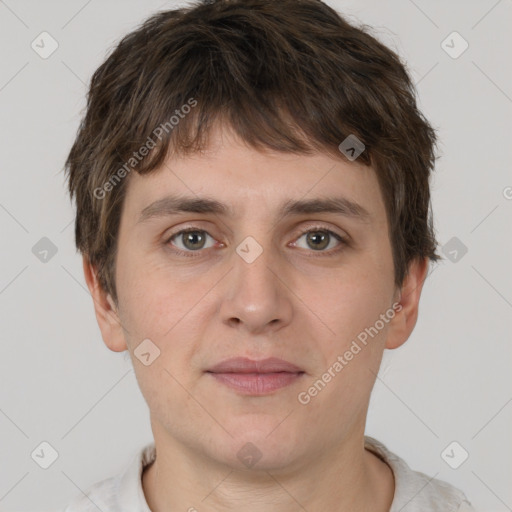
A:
321, 226
182, 231
318, 226
343, 240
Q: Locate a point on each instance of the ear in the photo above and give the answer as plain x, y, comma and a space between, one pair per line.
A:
402, 324
106, 311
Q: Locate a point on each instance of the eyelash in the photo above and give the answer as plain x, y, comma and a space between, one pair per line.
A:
312, 229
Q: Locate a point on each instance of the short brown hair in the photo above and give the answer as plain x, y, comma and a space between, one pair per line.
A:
289, 75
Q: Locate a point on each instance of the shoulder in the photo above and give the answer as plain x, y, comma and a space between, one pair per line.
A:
120, 493
99, 496
466, 506
415, 491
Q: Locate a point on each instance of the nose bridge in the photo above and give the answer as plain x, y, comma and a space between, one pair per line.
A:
255, 296
254, 264
254, 252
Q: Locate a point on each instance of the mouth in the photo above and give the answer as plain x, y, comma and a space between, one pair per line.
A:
256, 378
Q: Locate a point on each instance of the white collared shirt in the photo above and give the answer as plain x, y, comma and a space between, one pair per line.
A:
414, 491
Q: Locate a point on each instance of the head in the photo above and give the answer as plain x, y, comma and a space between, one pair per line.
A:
246, 103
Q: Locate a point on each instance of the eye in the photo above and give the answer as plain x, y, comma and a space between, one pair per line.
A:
192, 239
320, 238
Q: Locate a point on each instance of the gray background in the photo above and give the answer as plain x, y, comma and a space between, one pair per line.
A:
450, 382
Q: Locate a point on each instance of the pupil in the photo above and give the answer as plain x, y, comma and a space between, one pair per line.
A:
317, 236
190, 236
322, 236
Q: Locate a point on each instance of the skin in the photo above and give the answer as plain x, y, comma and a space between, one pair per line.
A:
307, 310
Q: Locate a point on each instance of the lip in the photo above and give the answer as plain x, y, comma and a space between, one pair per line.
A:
255, 377
246, 365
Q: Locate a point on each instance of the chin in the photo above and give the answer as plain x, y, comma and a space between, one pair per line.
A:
260, 443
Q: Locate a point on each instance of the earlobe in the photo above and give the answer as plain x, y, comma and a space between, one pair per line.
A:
406, 313
105, 310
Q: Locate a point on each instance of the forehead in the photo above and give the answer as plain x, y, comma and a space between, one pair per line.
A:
232, 179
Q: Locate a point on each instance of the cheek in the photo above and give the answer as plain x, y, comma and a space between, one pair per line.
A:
154, 310
167, 312
353, 304
148, 297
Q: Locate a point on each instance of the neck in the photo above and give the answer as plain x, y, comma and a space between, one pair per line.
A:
349, 478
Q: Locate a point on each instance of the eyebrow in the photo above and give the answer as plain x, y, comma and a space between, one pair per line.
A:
172, 205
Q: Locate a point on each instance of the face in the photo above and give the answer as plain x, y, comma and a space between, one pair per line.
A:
255, 283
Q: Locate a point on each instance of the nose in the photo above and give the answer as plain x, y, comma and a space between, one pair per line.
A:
256, 296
